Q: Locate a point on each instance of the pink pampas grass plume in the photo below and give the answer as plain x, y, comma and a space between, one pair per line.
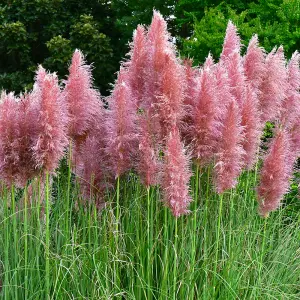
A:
176, 175
52, 122
205, 127
158, 42
81, 98
254, 63
274, 85
232, 42
170, 108
236, 76
92, 163
191, 89
230, 151
148, 165
9, 155
121, 126
28, 129
17, 129
252, 127
137, 64
291, 105
223, 91
275, 174
164, 80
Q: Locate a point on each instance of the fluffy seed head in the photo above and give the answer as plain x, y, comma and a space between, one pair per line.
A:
176, 175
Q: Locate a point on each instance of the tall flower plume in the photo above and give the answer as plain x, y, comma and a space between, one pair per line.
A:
230, 151
275, 174
137, 64
232, 42
52, 121
164, 81
274, 85
252, 127
17, 129
291, 104
176, 175
170, 107
254, 63
148, 164
191, 87
121, 126
92, 162
205, 128
82, 99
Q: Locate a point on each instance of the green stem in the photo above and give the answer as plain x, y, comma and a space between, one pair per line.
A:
26, 241
193, 256
47, 269
175, 260
149, 248
217, 244
15, 230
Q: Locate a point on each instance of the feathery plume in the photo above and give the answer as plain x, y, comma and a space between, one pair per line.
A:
291, 104
121, 126
81, 98
137, 64
252, 127
52, 121
164, 84
274, 85
230, 151
176, 175
205, 128
191, 89
170, 107
9, 156
236, 76
254, 63
275, 174
232, 42
92, 162
148, 165
17, 129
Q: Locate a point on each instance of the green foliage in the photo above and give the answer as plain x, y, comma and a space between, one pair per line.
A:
47, 32
135, 249
276, 23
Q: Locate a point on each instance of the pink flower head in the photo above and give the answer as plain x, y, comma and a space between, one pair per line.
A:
236, 76
291, 105
82, 99
17, 127
137, 64
121, 126
92, 162
176, 175
189, 101
230, 151
158, 42
205, 128
252, 127
28, 130
9, 156
52, 121
223, 91
164, 80
232, 42
274, 85
275, 174
170, 108
148, 165
254, 62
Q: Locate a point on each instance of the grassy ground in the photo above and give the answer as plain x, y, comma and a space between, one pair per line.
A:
135, 249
